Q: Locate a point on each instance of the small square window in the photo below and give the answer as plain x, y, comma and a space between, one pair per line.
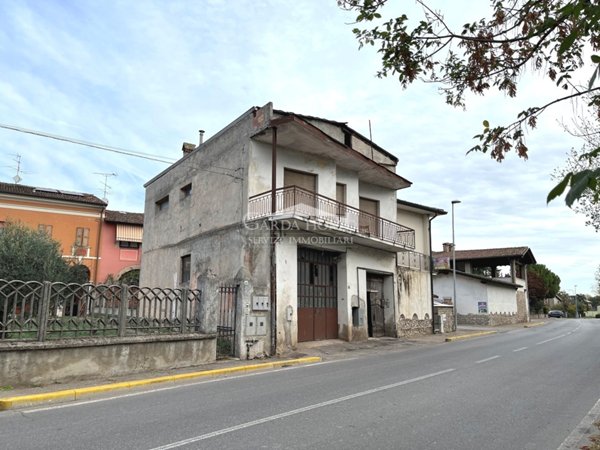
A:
162, 204
186, 191
42, 228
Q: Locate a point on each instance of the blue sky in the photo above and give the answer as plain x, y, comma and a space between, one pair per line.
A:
146, 75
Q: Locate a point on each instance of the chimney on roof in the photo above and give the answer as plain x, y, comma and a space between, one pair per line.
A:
201, 132
447, 247
187, 148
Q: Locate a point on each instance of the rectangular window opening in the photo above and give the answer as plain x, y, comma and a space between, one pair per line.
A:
125, 244
162, 204
186, 191
43, 228
82, 237
186, 268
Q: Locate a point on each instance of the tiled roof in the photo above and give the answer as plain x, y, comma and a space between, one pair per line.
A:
124, 217
485, 280
50, 193
491, 253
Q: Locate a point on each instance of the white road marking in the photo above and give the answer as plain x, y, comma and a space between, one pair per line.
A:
293, 412
168, 388
551, 339
487, 359
520, 349
561, 336
582, 430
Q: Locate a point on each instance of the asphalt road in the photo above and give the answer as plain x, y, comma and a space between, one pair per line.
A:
524, 389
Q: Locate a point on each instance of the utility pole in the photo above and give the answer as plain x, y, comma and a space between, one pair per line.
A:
454, 202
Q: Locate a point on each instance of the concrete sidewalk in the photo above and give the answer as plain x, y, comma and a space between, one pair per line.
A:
307, 352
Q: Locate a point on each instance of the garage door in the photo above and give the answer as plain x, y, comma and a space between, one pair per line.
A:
317, 295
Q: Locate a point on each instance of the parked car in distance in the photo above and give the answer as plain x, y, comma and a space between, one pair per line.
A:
556, 313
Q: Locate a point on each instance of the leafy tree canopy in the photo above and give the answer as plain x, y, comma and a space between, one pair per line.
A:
542, 282
31, 255
549, 37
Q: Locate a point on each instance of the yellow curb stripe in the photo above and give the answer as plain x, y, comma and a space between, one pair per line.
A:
75, 394
471, 335
537, 324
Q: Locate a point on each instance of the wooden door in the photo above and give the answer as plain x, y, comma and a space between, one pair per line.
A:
303, 199
368, 223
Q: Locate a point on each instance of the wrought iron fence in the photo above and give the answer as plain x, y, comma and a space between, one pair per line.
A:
301, 202
39, 311
227, 318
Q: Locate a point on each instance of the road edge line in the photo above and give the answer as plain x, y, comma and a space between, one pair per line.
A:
536, 324
75, 394
468, 336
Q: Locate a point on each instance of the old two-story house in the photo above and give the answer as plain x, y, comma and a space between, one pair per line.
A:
491, 284
301, 214
120, 246
73, 219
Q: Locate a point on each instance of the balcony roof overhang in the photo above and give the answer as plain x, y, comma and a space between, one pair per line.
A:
295, 133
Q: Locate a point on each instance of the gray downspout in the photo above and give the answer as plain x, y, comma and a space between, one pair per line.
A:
273, 239
431, 277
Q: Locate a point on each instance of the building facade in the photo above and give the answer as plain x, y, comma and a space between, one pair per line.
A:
299, 213
120, 245
73, 219
415, 284
491, 284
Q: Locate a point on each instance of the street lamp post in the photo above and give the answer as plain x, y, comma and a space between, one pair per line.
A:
576, 305
454, 202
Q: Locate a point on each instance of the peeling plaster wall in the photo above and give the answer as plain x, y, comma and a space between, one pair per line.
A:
286, 252
414, 302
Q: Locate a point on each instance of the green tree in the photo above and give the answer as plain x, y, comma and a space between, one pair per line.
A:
131, 278
31, 255
586, 205
549, 37
542, 283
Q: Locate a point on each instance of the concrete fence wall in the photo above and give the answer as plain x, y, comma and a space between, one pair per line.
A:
42, 363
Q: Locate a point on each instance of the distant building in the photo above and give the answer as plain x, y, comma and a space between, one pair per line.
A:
120, 245
73, 219
491, 284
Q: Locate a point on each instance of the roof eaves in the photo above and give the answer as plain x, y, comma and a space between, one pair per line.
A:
343, 125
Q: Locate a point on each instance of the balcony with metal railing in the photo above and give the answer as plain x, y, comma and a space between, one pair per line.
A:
331, 217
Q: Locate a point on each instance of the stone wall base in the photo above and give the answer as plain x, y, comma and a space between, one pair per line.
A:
491, 320
414, 327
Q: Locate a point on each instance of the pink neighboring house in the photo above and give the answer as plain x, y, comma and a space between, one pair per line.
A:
120, 244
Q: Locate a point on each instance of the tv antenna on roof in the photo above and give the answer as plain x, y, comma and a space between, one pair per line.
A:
17, 178
106, 187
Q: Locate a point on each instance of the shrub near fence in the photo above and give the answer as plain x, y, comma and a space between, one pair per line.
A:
38, 311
